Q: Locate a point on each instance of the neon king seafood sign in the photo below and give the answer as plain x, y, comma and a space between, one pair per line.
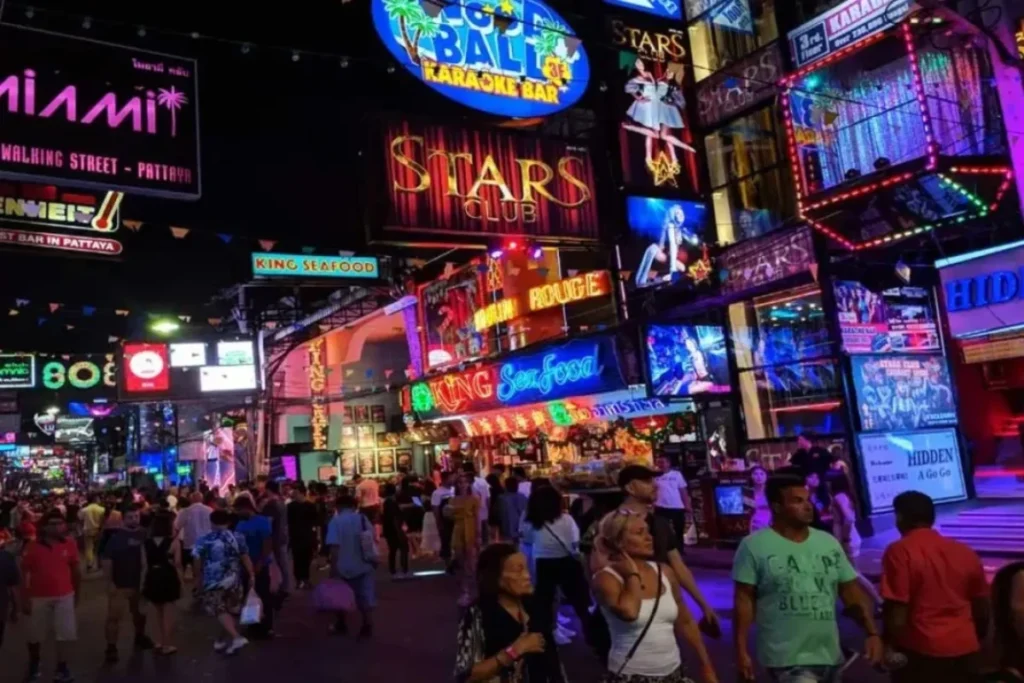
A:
505, 57
574, 369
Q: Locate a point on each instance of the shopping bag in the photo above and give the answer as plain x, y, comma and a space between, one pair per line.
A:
334, 595
252, 611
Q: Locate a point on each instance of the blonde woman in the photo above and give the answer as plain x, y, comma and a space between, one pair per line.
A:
641, 601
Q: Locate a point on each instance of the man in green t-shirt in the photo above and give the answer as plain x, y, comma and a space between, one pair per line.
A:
789, 576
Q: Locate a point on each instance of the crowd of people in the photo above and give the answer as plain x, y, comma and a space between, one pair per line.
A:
521, 553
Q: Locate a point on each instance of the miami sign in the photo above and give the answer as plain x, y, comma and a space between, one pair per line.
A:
515, 58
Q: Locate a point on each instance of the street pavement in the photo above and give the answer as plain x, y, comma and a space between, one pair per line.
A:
414, 640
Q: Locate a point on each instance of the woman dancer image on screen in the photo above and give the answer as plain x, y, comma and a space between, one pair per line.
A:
656, 109
673, 233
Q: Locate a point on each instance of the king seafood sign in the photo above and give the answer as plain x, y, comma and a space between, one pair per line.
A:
452, 181
515, 58
82, 113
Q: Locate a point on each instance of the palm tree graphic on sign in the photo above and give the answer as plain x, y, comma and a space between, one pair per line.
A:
412, 18
173, 100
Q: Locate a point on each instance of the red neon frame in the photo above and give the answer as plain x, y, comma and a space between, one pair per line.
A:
931, 159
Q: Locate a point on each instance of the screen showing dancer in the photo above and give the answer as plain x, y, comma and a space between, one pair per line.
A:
667, 242
684, 360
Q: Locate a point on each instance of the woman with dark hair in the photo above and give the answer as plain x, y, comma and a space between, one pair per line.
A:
393, 530
500, 639
844, 527
1008, 618
556, 541
162, 586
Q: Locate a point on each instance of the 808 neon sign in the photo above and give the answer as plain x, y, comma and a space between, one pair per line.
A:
80, 373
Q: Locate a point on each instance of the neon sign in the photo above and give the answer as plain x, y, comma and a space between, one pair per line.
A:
541, 297
79, 372
559, 414
319, 420
586, 286
514, 58
553, 373
297, 265
577, 368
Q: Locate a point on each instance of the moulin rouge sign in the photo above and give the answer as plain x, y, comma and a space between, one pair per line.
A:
452, 181
507, 57
83, 113
578, 368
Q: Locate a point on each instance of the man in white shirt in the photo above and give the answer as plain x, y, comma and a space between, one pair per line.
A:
673, 498
524, 481
482, 490
191, 524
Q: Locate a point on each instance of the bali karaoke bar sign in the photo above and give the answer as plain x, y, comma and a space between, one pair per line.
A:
515, 58
451, 181
49, 206
844, 25
578, 368
84, 113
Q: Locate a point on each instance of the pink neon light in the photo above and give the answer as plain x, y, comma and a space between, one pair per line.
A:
830, 405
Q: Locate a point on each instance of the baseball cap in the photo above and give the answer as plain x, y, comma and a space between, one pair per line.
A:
634, 473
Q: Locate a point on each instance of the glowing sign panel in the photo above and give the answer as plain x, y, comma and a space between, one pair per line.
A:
578, 368
586, 286
514, 58
297, 265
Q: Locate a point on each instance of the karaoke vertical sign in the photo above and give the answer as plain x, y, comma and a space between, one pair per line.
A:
319, 421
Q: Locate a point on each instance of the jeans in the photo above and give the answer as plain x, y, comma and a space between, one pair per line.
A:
302, 558
677, 518
565, 573
805, 674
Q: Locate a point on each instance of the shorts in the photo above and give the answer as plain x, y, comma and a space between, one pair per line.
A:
805, 674
364, 587
217, 601
53, 615
372, 513
121, 600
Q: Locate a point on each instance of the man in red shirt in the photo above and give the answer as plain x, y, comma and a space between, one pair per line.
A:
936, 597
51, 581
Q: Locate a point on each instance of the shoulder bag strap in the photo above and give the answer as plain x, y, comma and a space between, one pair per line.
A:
558, 538
647, 626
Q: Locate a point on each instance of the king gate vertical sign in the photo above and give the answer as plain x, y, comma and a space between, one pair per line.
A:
514, 58
81, 113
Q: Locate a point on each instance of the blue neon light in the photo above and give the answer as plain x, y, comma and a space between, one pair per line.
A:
971, 256
669, 9
515, 58
551, 374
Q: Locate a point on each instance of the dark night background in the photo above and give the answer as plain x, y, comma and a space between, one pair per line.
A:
288, 152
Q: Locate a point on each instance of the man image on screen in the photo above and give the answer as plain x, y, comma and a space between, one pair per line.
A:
674, 232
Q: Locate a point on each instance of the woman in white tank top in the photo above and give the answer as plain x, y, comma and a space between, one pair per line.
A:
634, 591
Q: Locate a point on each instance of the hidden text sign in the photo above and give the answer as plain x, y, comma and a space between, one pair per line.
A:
578, 368
299, 265
984, 291
511, 58
925, 461
82, 113
450, 181
844, 25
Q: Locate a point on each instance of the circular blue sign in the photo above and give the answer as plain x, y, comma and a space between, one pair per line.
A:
515, 58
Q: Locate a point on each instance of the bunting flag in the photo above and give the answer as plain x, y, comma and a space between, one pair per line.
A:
572, 272
123, 312
54, 307
88, 310
267, 245
308, 250
179, 233
324, 328
224, 237
349, 372
369, 373
40, 321
214, 321
21, 302
66, 356
70, 327
270, 324
185, 318
131, 225
388, 373
814, 271
13, 311
111, 339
